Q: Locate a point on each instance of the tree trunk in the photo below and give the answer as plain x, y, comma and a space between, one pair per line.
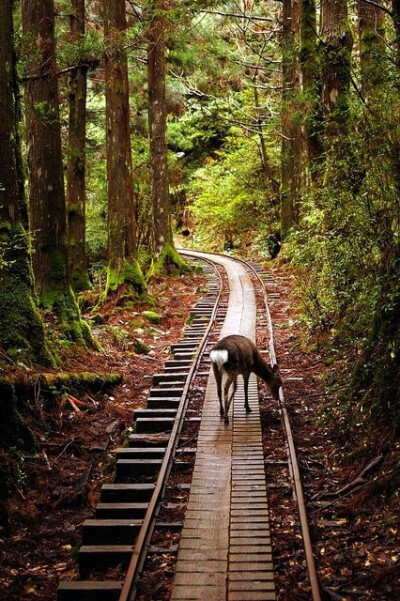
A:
164, 251
372, 46
158, 125
123, 267
337, 45
311, 74
396, 19
263, 149
46, 176
76, 191
291, 152
21, 328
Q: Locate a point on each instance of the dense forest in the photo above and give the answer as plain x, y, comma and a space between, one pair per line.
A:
268, 129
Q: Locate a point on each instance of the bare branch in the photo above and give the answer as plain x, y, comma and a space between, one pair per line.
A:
239, 16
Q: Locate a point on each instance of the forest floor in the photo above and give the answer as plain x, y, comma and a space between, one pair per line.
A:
53, 490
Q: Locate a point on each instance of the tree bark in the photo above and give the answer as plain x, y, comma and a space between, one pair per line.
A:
263, 149
76, 190
123, 267
164, 252
158, 126
337, 45
21, 327
46, 176
396, 19
291, 151
372, 46
311, 74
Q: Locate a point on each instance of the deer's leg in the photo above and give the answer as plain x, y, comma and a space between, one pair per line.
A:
246, 392
231, 379
218, 379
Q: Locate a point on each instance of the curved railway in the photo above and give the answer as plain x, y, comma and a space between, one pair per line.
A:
188, 480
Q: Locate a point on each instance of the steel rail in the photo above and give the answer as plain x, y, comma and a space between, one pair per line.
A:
129, 591
312, 572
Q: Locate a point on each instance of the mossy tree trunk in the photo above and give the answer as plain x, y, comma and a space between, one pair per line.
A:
337, 43
123, 267
311, 73
396, 19
76, 185
372, 46
291, 151
46, 175
21, 327
164, 252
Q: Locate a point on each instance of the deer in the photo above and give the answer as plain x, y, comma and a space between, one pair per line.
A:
234, 355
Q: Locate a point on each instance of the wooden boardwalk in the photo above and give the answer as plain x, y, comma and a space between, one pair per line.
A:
225, 550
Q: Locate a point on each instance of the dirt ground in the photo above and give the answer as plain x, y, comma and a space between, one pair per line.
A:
53, 490
350, 469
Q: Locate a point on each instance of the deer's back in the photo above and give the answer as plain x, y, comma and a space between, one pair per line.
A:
242, 353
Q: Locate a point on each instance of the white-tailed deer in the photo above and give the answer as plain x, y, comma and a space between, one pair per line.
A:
234, 355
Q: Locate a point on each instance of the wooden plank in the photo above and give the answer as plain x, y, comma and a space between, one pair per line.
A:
89, 590
182, 593
250, 518
249, 512
262, 546
205, 565
251, 596
254, 585
254, 566
198, 555
247, 558
194, 579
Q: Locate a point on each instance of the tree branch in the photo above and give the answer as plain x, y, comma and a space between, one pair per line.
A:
239, 16
380, 6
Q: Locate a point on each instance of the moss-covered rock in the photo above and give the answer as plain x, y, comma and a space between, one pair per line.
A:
152, 317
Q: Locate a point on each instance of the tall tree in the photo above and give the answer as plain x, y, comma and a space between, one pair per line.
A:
337, 44
291, 153
164, 251
46, 176
372, 45
396, 19
76, 185
123, 267
21, 327
310, 68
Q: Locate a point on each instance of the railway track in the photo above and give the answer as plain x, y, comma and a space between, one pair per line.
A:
188, 511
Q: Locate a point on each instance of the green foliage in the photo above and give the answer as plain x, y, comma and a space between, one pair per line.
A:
230, 196
348, 254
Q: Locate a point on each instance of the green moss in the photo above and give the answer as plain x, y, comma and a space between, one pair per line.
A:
130, 273
140, 348
168, 263
53, 385
21, 328
63, 301
80, 280
152, 316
